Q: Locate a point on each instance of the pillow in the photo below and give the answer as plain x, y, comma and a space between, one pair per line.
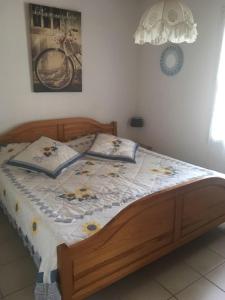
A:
82, 144
112, 147
47, 156
8, 151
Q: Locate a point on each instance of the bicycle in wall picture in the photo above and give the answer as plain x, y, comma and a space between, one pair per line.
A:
56, 49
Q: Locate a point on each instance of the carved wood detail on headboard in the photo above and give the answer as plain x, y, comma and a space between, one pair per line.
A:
59, 129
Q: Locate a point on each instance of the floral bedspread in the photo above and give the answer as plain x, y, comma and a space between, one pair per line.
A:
83, 199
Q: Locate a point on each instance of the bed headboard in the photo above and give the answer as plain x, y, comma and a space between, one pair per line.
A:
59, 129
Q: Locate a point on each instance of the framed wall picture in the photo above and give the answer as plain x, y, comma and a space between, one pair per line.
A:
56, 49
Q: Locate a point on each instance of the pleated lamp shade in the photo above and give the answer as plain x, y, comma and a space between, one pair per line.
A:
167, 21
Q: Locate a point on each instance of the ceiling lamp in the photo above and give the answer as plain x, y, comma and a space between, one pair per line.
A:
166, 21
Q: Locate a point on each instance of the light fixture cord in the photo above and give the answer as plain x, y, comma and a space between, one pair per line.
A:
181, 7
164, 5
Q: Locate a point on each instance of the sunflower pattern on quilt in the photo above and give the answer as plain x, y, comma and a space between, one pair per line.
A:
81, 194
84, 198
167, 171
91, 228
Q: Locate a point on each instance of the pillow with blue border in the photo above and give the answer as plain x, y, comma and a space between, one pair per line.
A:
46, 156
108, 146
7, 151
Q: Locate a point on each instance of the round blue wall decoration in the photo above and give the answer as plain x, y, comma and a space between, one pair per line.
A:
172, 60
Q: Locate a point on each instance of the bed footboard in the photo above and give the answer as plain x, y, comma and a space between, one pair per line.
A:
140, 234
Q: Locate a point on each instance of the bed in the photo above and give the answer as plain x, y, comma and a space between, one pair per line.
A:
143, 230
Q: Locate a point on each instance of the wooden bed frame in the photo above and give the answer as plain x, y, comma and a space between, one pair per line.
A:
141, 233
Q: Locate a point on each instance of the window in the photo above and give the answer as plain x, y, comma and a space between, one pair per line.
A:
56, 23
47, 22
37, 20
218, 120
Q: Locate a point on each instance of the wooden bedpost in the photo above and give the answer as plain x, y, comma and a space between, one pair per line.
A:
114, 128
65, 269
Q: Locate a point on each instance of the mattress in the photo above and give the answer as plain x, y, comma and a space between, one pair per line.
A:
82, 200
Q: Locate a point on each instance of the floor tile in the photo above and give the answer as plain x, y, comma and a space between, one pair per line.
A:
17, 275
3, 218
204, 260
110, 293
221, 228
152, 290
184, 252
155, 268
211, 236
11, 250
218, 245
6, 232
136, 286
25, 294
217, 276
141, 286
176, 276
201, 290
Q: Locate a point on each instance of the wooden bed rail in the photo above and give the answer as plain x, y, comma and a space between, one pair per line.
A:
141, 233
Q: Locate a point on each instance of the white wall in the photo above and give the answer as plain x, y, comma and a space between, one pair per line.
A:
178, 110
109, 65
119, 78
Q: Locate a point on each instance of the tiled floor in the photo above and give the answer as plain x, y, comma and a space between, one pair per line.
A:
194, 272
